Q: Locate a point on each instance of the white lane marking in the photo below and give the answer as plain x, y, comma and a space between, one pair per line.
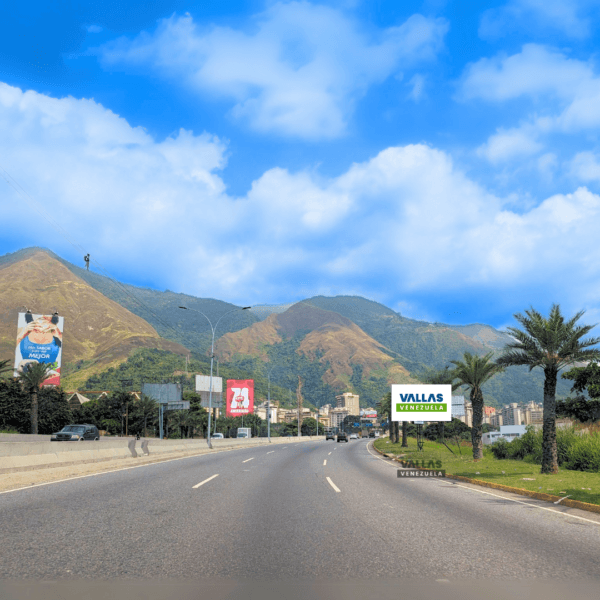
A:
466, 487
329, 454
205, 481
335, 487
556, 512
245, 461
270, 451
324, 462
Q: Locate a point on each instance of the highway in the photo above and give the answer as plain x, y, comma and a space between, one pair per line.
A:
307, 511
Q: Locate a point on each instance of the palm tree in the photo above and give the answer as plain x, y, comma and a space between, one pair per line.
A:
551, 344
384, 406
443, 377
473, 371
32, 377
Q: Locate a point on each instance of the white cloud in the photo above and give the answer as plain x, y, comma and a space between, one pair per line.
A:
407, 216
565, 93
535, 71
564, 16
297, 71
585, 166
509, 144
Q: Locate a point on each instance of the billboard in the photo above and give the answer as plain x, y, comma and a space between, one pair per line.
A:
39, 340
240, 397
203, 389
421, 402
163, 393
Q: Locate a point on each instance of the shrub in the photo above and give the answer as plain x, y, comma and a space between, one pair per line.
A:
583, 454
500, 449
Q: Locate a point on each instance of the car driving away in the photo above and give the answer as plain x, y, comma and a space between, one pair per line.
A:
353, 436
76, 433
342, 436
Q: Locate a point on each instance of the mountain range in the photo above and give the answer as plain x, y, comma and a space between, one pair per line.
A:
336, 344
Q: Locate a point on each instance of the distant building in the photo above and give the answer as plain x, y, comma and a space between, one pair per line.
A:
507, 432
512, 414
337, 416
350, 402
77, 400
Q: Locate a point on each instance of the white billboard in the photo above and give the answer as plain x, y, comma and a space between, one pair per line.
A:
421, 402
203, 384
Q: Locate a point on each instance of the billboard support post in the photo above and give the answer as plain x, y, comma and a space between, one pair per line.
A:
212, 357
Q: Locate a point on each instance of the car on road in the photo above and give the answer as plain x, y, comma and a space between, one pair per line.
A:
76, 433
342, 436
371, 434
353, 436
217, 436
329, 435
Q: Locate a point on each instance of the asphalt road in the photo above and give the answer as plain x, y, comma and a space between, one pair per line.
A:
274, 513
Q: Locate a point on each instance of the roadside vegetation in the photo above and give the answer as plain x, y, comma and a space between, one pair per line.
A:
520, 474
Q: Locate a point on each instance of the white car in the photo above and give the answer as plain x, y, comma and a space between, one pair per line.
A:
217, 436
353, 436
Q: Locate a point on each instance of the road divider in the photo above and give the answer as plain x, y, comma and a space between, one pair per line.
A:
29, 456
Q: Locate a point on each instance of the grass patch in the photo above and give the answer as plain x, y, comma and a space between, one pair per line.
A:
579, 485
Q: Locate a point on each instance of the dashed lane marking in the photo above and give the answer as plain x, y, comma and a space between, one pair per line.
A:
245, 461
205, 481
324, 462
335, 487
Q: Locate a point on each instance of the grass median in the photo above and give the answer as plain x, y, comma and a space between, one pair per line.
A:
578, 485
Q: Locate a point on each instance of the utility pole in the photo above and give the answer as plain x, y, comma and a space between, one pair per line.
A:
299, 397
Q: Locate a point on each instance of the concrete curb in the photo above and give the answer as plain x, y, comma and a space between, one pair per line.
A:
22, 456
506, 488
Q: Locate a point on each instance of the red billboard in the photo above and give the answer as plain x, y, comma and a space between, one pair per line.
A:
240, 397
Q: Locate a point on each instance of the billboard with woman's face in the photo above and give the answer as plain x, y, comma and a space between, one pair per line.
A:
39, 339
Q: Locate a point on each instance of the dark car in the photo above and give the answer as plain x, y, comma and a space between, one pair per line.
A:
371, 434
329, 435
342, 436
76, 433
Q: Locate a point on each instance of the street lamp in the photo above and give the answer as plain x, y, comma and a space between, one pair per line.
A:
269, 402
212, 356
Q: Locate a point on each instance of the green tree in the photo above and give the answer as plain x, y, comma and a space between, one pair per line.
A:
31, 378
438, 377
472, 372
5, 366
384, 408
309, 426
146, 408
550, 344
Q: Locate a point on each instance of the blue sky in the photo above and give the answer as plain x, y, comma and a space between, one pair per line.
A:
440, 157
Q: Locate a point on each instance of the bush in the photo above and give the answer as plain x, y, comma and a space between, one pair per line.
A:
528, 445
583, 453
500, 449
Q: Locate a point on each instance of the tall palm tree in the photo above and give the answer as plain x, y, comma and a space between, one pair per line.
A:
437, 377
32, 377
473, 371
551, 344
384, 406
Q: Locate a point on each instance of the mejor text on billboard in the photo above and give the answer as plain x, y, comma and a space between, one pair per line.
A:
421, 402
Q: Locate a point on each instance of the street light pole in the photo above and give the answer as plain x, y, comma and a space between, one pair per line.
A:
212, 357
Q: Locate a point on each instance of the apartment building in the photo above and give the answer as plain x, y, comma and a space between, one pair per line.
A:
350, 402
